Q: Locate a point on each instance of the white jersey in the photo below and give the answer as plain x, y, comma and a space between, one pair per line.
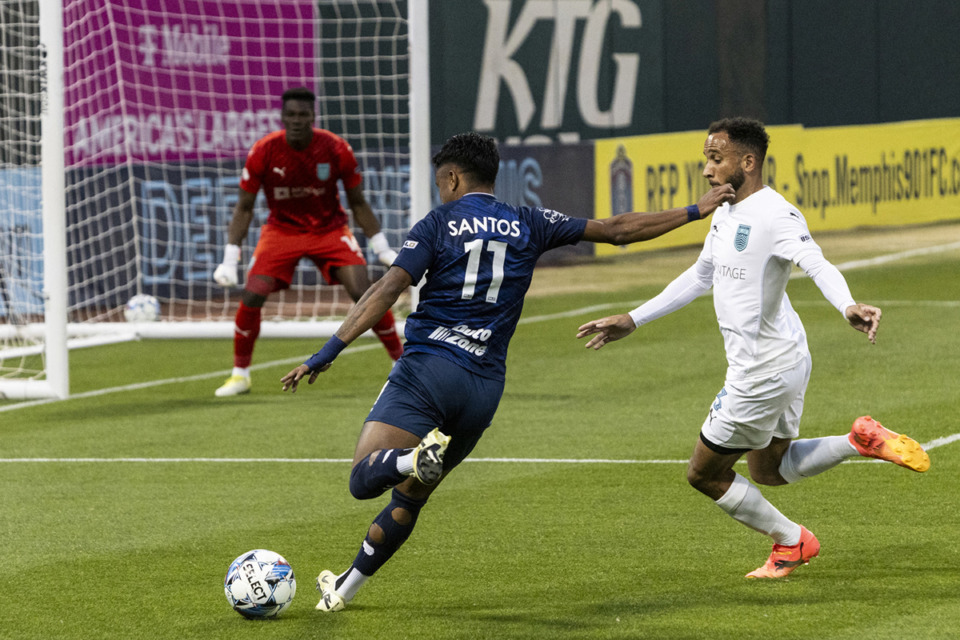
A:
747, 259
751, 250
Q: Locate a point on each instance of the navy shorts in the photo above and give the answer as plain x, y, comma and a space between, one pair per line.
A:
425, 392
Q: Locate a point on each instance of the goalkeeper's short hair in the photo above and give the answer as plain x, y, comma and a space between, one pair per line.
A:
299, 93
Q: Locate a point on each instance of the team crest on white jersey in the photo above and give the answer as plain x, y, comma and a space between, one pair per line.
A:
323, 170
743, 235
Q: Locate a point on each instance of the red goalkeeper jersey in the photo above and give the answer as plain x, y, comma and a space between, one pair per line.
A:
301, 186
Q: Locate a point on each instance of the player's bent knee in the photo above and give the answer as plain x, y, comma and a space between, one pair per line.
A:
256, 290
363, 486
695, 478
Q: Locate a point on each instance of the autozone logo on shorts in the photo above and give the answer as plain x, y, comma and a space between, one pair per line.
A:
460, 336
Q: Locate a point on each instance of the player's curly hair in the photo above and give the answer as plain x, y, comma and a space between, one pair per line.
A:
746, 132
474, 153
299, 93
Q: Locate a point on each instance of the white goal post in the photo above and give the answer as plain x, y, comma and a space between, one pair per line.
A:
126, 126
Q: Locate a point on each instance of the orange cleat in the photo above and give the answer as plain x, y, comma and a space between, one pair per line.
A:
785, 559
873, 440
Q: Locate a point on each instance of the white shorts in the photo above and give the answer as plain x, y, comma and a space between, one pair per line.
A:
748, 414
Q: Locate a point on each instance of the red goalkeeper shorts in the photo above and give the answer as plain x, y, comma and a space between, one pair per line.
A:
278, 252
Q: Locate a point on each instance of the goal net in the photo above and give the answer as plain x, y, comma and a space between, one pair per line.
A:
162, 99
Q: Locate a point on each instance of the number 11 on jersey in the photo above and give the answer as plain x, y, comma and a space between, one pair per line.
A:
475, 249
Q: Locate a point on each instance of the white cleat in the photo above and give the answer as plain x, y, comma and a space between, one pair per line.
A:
234, 386
330, 600
428, 457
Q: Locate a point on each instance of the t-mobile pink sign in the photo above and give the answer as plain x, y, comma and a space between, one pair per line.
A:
176, 80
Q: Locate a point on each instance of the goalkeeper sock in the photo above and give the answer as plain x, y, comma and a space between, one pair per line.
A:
245, 333
805, 458
386, 330
390, 529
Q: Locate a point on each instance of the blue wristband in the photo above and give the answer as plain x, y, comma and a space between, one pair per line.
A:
327, 354
693, 213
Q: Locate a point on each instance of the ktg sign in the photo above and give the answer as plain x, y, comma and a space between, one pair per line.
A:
554, 70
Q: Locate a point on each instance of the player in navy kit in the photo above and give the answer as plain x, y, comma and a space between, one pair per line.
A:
477, 255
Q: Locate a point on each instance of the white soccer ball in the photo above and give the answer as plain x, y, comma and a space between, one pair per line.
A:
142, 308
260, 584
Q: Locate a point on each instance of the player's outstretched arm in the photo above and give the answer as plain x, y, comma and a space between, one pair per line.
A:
635, 227
865, 318
833, 286
606, 330
362, 316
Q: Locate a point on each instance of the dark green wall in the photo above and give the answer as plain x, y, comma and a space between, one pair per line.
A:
813, 62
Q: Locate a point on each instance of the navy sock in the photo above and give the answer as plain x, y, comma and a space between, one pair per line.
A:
396, 522
369, 478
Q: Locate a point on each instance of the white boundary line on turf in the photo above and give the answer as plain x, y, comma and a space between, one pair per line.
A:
933, 444
894, 257
854, 264
159, 383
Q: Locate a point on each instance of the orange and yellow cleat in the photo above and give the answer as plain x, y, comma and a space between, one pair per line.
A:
783, 560
873, 440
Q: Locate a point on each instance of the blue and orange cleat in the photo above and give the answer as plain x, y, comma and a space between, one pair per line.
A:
873, 440
783, 560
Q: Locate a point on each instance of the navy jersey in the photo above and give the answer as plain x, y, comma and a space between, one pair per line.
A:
478, 255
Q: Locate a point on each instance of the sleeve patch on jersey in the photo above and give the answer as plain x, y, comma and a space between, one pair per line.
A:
554, 216
410, 244
805, 238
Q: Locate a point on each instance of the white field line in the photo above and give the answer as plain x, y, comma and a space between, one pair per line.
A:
933, 444
895, 257
855, 264
157, 383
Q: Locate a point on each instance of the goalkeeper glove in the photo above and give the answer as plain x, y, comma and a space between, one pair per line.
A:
226, 274
385, 254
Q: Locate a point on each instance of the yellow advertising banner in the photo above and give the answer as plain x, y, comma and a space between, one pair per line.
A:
839, 177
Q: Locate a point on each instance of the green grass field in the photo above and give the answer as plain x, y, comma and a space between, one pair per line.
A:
578, 548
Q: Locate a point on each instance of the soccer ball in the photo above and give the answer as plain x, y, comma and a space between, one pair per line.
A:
260, 584
142, 308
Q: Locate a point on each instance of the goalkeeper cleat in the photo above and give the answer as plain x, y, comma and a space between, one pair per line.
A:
785, 559
234, 386
873, 440
330, 600
428, 457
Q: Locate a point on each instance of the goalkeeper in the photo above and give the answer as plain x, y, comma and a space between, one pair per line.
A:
298, 169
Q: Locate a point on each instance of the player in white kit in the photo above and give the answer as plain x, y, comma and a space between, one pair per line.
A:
747, 258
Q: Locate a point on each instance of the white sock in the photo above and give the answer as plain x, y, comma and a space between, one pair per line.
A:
405, 462
746, 505
350, 582
805, 458
241, 371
